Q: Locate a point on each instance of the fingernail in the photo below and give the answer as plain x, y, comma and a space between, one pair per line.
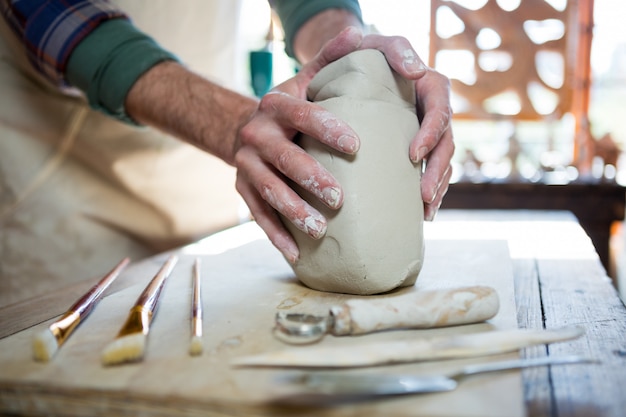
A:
291, 253
348, 144
314, 224
433, 193
431, 211
411, 62
332, 197
316, 228
421, 153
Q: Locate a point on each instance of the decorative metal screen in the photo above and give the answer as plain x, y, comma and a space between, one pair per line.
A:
509, 59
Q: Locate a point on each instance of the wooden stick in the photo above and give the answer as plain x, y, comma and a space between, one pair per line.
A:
195, 348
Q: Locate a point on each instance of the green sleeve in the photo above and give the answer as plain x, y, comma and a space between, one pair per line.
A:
106, 64
294, 13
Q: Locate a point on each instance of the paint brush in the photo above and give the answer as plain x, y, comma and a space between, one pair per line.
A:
47, 342
129, 344
195, 348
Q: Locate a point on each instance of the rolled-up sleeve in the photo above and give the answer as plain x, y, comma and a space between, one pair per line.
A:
294, 13
51, 29
89, 44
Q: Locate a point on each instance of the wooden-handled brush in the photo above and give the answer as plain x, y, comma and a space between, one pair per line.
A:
195, 347
130, 341
47, 342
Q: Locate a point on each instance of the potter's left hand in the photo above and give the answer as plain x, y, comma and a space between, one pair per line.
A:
267, 160
434, 141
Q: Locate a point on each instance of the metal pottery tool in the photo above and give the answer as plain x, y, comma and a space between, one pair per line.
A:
195, 347
420, 349
130, 342
418, 310
325, 388
47, 342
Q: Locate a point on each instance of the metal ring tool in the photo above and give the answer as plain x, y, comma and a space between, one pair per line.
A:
299, 328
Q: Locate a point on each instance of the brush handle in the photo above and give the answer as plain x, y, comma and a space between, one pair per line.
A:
196, 303
150, 296
421, 309
87, 302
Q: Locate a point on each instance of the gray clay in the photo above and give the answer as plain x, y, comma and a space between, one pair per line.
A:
374, 243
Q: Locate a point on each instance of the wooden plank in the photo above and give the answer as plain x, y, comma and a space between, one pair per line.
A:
537, 388
560, 281
242, 290
28, 313
20, 316
578, 292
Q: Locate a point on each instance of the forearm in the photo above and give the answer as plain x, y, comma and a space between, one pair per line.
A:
185, 105
319, 29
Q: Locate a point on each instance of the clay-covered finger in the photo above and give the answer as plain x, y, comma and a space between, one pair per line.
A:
433, 98
273, 144
267, 218
345, 42
399, 54
437, 165
430, 209
311, 120
273, 189
296, 210
308, 173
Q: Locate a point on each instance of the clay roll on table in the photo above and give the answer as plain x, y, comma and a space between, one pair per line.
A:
418, 310
423, 309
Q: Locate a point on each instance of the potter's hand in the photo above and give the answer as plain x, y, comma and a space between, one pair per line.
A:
434, 142
266, 156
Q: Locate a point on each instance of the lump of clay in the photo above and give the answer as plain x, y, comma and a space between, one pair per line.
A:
374, 242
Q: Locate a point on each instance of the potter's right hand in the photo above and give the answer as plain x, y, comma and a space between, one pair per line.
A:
434, 143
267, 159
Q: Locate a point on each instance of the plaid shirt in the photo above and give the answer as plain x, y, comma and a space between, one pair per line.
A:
51, 29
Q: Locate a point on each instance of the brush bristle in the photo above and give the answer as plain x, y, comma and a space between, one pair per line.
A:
124, 349
195, 348
45, 346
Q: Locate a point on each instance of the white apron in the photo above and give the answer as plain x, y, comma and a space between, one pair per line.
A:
79, 191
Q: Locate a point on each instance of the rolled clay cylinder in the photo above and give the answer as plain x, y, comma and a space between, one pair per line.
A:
374, 242
422, 309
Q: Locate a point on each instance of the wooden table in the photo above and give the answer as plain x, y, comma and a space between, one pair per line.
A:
558, 281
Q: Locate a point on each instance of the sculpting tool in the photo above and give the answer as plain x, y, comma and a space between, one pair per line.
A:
319, 389
129, 344
416, 310
47, 342
405, 351
195, 348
